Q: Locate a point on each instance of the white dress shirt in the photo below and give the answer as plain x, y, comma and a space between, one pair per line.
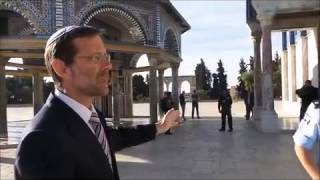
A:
80, 109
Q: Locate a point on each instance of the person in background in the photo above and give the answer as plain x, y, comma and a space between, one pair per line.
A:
182, 104
307, 93
307, 140
195, 103
224, 107
250, 103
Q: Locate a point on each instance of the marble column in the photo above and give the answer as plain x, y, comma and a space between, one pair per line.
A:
268, 121
256, 37
116, 98
175, 85
304, 46
317, 37
37, 81
153, 93
109, 102
160, 79
267, 90
128, 94
292, 68
3, 100
284, 68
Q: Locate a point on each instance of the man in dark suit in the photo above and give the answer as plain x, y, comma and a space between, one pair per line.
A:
224, 107
307, 93
68, 138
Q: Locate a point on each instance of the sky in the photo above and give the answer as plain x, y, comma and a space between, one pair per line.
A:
218, 31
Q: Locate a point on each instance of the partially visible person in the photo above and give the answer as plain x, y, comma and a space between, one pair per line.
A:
244, 95
224, 107
307, 93
250, 100
69, 138
307, 140
166, 104
182, 104
195, 103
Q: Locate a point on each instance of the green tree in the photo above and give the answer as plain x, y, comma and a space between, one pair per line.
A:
140, 87
214, 94
241, 86
247, 78
276, 79
203, 76
222, 77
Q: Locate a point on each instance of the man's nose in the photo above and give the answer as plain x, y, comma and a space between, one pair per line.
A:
107, 65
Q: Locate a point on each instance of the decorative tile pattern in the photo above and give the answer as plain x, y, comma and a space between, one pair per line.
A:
37, 18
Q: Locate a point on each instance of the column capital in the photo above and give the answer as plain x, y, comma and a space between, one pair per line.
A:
266, 18
153, 59
256, 36
161, 71
174, 65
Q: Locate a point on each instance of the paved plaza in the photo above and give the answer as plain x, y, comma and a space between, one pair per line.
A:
197, 150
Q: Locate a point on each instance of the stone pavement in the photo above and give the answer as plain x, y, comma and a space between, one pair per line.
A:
196, 150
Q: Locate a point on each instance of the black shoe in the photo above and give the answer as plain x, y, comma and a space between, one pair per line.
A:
221, 129
230, 130
168, 133
198, 117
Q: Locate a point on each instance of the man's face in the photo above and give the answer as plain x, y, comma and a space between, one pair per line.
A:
89, 72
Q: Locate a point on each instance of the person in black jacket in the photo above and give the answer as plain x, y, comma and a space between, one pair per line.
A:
307, 93
69, 138
224, 107
182, 104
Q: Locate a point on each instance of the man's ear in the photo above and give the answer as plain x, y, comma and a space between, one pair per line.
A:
59, 67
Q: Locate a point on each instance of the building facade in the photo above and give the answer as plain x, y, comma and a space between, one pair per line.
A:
300, 25
132, 28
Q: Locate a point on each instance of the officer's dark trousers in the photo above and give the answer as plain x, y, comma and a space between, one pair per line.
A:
248, 110
223, 118
183, 108
303, 110
195, 105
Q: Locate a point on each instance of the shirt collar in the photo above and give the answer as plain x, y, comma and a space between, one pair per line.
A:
80, 109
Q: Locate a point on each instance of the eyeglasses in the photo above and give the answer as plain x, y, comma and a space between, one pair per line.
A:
98, 58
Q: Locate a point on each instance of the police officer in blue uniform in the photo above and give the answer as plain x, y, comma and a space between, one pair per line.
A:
306, 138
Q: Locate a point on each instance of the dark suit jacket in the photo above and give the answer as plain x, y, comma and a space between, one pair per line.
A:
60, 145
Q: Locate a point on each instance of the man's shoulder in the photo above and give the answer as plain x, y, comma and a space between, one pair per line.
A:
313, 112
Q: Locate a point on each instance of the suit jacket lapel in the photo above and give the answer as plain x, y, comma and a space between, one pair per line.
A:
80, 131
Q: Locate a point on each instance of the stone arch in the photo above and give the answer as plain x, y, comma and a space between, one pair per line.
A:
183, 84
27, 11
190, 79
134, 60
127, 19
171, 42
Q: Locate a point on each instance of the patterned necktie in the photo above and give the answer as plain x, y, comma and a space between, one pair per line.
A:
99, 132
